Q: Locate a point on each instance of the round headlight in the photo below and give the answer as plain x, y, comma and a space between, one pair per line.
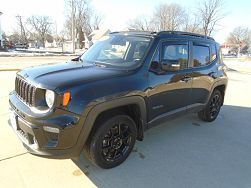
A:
49, 98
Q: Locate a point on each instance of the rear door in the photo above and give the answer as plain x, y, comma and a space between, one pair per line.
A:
203, 62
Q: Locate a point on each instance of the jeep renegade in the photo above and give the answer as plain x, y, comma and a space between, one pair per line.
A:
103, 101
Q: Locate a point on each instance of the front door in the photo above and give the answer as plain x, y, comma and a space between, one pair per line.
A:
169, 91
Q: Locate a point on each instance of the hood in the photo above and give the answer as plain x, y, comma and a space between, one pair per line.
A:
69, 74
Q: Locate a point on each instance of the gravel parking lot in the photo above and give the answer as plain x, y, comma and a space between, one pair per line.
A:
184, 152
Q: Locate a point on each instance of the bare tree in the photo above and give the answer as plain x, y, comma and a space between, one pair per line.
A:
174, 17
169, 17
165, 17
41, 25
23, 33
97, 19
210, 12
141, 23
192, 24
14, 37
239, 39
83, 15
83, 19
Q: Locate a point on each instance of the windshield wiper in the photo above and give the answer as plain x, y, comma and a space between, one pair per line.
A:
99, 64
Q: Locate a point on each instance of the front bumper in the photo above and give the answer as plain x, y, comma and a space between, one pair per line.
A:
39, 140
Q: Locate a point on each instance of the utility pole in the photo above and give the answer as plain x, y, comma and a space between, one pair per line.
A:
73, 25
239, 49
1, 40
56, 28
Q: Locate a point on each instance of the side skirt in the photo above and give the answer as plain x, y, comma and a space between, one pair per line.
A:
174, 114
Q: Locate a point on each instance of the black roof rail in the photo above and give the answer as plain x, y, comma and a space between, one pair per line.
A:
185, 33
136, 32
114, 32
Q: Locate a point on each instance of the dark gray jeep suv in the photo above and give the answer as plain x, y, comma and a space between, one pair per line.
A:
103, 101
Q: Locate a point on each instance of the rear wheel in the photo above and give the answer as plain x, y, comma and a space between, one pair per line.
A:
113, 141
212, 109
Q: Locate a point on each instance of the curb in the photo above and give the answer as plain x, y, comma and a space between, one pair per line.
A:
39, 55
3, 70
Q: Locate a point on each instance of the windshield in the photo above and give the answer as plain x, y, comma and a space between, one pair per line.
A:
117, 50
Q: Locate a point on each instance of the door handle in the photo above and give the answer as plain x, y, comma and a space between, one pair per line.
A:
186, 79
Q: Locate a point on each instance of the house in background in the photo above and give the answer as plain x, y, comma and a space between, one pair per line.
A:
87, 42
67, 46
50, 44
1, 33
225, 49
97, 34
93, 37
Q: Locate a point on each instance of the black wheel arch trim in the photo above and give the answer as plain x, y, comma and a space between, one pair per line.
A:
99, 108
217, 84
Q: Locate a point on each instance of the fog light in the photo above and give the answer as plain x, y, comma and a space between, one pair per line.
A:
51, 129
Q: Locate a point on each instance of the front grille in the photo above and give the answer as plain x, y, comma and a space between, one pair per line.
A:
25, 91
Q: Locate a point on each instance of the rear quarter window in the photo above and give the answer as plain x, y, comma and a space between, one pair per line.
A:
219, 53
201, 55
213, 52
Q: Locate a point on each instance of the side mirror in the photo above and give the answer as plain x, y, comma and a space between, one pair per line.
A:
170, 65
75, 59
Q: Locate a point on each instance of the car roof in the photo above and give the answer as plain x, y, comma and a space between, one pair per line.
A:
166, 34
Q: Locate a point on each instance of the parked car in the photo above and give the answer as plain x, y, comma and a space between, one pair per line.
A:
103, 101
21, 45
229, 55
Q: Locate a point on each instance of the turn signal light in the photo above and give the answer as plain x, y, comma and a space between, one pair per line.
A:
66, 98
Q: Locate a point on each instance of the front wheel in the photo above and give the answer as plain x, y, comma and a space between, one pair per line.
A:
113, 141
212, 109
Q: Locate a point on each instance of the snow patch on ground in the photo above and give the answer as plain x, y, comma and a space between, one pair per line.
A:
38, 52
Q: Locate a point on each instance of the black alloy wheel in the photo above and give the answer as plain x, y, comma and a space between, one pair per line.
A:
113, 141
212, 109
116, 142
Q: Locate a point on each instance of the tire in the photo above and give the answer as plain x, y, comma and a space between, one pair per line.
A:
212, 109
113, 141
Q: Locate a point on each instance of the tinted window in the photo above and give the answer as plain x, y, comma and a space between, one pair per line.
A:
112, 52
200, 55
156, 56
117, 50
176, 52
155, 65
213, 54
140, 49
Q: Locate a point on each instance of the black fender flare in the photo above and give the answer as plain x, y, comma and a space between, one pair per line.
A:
96, 110
222, 82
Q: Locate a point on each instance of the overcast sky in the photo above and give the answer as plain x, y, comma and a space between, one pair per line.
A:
117, 13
